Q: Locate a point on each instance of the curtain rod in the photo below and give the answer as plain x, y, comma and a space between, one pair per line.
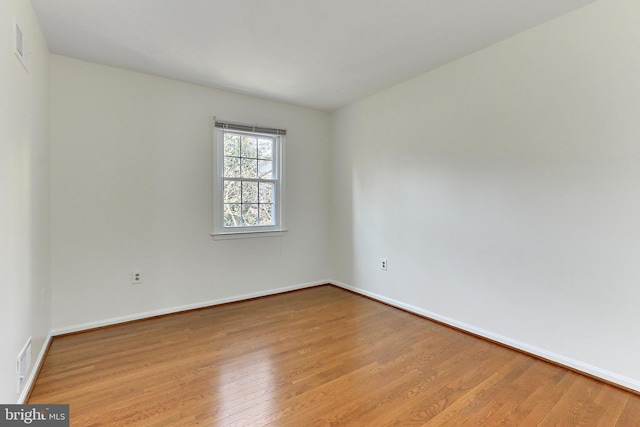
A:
248, 128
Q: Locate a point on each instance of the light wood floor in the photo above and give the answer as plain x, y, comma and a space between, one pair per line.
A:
321, 356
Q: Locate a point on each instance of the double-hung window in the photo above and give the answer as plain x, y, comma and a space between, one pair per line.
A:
248, 181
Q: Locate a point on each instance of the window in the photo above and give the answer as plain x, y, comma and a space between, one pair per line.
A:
248, 186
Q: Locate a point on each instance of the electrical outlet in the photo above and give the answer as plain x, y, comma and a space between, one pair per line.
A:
136, 277
383, 264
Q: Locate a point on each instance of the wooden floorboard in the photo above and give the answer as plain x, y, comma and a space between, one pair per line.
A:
316, 357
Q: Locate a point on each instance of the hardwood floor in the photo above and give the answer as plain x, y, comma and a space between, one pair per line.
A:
316, 357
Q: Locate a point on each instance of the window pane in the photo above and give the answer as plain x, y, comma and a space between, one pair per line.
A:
231, 167
250, 214
265, 149
249, 192
265, 215
249, 147
232, 192
265, 169
233, 215
231, 145
266, 192
249, 168
249, 195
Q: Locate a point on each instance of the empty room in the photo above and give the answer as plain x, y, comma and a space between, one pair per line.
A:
295, 213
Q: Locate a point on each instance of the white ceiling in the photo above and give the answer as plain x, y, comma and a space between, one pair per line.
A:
323, 54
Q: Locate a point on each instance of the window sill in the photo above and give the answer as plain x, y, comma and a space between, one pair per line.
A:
247, 234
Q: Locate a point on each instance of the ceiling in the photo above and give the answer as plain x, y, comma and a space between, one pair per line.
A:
320, 54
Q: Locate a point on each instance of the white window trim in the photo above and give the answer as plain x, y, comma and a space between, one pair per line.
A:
223, 233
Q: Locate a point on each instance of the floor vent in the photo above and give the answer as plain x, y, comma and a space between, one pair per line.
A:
20, 45
24, 363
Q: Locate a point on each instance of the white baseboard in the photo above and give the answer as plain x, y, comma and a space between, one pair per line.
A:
26, 389
177, 309
590, 370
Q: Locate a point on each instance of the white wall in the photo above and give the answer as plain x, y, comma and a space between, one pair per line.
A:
504, 189
25, 307
131, 189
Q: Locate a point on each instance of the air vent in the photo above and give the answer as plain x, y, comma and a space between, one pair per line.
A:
20, 45
24, 363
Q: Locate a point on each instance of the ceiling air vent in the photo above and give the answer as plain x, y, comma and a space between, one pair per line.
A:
20, 45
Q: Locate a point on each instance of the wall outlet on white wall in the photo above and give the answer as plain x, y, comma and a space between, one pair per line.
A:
383, 264
136, 277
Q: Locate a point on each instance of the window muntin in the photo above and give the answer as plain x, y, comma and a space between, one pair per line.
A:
248, 180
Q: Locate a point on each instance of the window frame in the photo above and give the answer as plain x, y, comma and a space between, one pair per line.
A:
278, 228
